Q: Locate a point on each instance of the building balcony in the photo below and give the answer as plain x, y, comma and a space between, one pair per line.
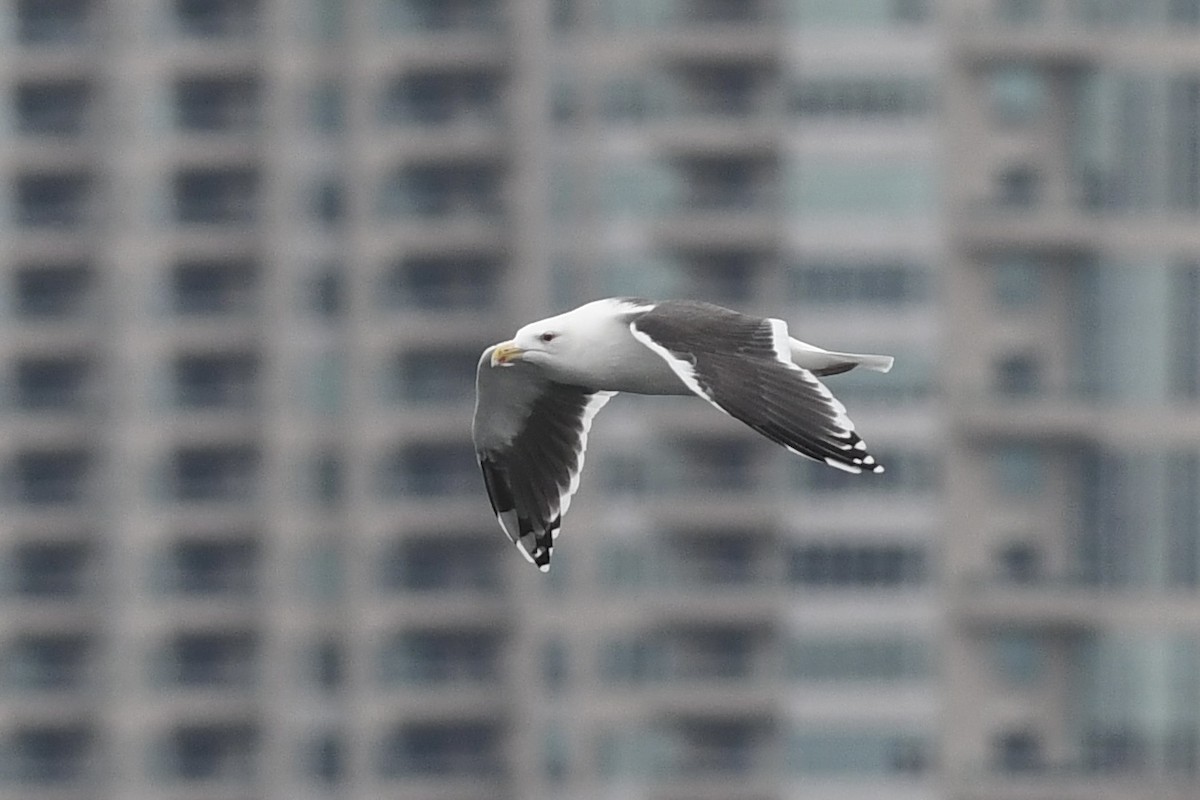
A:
1069, 606
1069, 230
1071, 417
1067, 782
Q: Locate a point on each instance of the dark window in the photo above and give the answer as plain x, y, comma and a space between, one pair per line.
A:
328, 291
52, 200
53, 383
50, 477
213, 751
52, 291
327, 758
856, 283
727, 184
715, 465
437, 98
444, 15
52, 107
443, 190
1017, 375
712, 560
217, 103
881, 97
215, 473
440, 562
50, 569
468, 282
433, 376
215, 287
1018, 751
461, 749
49, 753
864, 566
722, 277
329, 202
208, 658
48, 661
215, 380
220, 195
209, 567
53, 21
329, 479
217, 18
1018, 187
441, 656
431, 469
329, 664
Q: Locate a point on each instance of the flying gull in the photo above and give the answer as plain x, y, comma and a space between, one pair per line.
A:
537, 394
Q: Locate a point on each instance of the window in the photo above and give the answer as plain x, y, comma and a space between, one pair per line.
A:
48, 661
430, 470
210, 658
441, 656
328, 478
885, 283
50, 477
862, 658
728, 277
215, 380
53, 21
896, 187
51, 383
329, 664
879, 96
328, 109
440, 190
440, 561
327, 291
49, 753
1018, 470
52, 291
709, 560
1018, 281
328, 204
868, 566
326, 758
217, 287
904, 471
216, 195
555, 663
727, 184
55, 200
438, 376
213, 103
442, 15
211, 751
466, 748
1019, 658
52, 107
1017, 751
1018, 186
468, 282
50, 569
214, 473
858, 752
1017, 94
856, 13
439, 98
228, 566
1017, 375
714, 465
217, 18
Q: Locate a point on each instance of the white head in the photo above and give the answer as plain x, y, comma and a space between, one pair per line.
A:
574, 338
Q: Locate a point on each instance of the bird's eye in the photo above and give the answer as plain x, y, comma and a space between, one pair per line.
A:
547, 336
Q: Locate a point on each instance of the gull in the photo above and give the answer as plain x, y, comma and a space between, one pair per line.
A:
537, 394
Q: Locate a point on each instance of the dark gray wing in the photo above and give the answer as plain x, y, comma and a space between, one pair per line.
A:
530, 435
742, 365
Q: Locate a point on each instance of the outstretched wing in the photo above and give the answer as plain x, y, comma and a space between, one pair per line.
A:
742, 365
530, 435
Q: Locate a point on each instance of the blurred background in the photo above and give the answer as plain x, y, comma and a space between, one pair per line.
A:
251, 250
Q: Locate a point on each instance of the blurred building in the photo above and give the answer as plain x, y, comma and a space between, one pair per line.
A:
251, 251
1073, 544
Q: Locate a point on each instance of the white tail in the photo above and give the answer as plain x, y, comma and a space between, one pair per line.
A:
829, 362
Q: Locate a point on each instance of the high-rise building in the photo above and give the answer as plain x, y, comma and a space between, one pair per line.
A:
251, 251
1073, 305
